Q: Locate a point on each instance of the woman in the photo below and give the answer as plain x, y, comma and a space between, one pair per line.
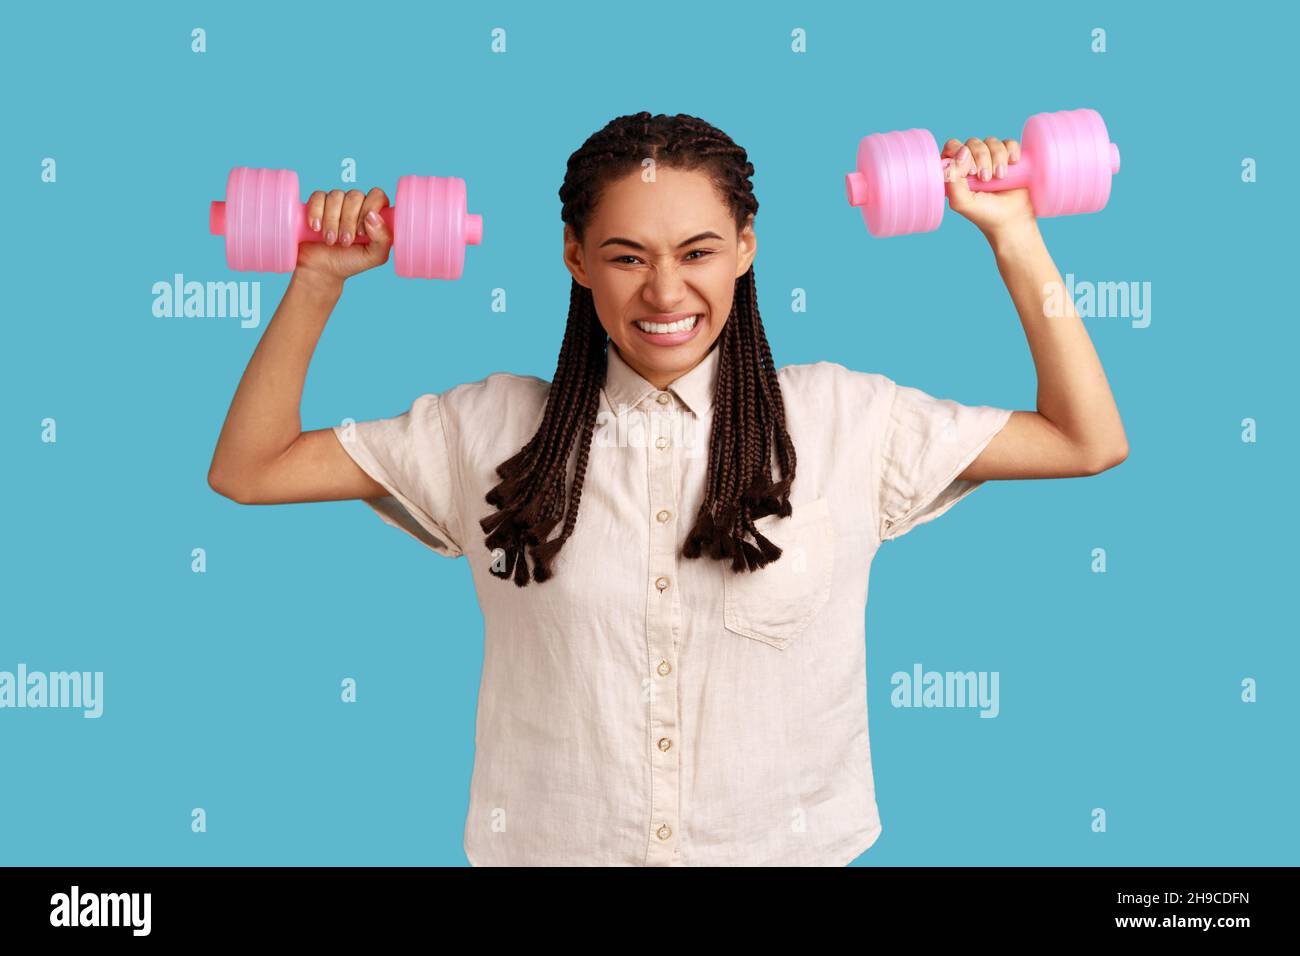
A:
674, 660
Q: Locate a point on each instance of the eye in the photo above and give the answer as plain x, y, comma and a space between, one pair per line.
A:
701, 252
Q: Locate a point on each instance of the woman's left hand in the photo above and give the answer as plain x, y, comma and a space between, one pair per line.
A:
988, 159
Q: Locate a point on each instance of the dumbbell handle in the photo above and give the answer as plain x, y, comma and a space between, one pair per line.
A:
1018, 175
217, 225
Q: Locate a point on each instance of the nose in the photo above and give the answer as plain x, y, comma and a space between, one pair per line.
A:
664, 289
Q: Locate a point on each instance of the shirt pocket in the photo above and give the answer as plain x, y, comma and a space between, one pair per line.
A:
776, 603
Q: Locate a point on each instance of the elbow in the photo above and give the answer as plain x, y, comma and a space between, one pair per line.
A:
223, 486
1104, 462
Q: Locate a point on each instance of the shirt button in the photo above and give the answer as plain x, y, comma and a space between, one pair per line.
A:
661, 442
664, 831
663, 516
664, 744
662, 399
664, 668
661, 583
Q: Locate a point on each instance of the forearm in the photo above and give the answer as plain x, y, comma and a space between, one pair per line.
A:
264, 417
1073, 393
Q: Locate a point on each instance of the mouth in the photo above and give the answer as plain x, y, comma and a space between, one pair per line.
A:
669, 330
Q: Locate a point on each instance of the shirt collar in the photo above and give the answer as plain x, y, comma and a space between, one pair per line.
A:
624, 385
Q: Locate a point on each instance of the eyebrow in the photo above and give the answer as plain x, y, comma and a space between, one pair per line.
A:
620, 241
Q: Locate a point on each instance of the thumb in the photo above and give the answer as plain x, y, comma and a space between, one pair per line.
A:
955, 185
377, 232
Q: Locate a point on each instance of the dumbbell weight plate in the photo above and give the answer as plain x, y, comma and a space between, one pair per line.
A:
898, 182
261, 219
1073, 161
432, 227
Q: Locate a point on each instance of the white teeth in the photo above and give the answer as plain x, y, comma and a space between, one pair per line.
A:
685, 325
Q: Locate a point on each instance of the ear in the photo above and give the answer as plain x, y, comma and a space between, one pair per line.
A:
573, 260
746, 247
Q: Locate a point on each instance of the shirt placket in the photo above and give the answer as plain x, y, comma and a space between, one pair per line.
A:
662, 607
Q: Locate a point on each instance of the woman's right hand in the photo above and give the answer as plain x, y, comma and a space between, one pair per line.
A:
339, 217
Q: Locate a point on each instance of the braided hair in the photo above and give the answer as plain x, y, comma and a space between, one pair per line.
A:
749, 416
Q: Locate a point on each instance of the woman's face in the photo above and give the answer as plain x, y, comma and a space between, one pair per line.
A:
658, 252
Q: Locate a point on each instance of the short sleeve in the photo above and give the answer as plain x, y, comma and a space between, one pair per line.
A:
408, 454
927, 443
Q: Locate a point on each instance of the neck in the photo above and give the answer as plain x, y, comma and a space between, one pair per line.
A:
660, 380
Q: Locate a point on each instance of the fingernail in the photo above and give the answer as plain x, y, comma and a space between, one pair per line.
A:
985, 175
1002, 170
329, 236
315, 225
347, 238
372, 217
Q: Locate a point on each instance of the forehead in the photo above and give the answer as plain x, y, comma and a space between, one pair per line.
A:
677, 201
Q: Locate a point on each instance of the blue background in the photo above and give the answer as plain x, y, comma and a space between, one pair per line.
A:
1118, 690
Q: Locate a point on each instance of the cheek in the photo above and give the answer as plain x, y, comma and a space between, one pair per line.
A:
614, 286
722, 295
720, 280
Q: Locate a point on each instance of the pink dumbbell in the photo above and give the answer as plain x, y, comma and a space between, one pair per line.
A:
1066, 161
264, 219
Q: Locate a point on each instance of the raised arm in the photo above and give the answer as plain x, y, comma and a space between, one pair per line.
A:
262, 454
1076, 429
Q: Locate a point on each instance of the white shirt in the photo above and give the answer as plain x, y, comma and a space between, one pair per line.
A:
640, 708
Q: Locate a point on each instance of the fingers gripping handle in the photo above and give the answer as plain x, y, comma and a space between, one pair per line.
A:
1017, 176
